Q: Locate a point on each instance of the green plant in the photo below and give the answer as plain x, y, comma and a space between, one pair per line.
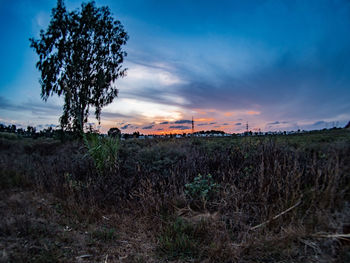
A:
203, 188
104, 151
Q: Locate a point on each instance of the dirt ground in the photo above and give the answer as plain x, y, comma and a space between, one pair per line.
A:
34, 227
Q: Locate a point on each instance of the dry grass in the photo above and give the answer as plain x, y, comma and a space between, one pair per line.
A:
283, 199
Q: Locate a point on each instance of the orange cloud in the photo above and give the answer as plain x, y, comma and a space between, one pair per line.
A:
229, 114
253, 112
200, 111
204, 119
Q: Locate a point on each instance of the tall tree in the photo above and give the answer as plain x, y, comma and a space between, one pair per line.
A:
80, 57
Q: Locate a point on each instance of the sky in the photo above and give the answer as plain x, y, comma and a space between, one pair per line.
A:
276, 65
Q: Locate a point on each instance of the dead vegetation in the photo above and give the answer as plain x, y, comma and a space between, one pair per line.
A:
266, 200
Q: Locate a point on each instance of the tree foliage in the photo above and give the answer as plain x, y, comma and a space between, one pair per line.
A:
80, 57
114, 132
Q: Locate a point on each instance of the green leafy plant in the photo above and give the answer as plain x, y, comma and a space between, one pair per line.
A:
104, 151
203, 188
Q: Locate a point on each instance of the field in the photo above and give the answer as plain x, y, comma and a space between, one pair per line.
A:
240, 199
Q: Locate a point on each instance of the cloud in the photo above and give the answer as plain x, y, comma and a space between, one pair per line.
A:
238, 124
229, 114
164, 122
225, 124
204, 119
183, 122
148, 127
43, 108
288, 83
274, 123
114, 115
318, 123
160, 129
5, 103
291, 64
125, 126
180, 127
251, 112
206, 123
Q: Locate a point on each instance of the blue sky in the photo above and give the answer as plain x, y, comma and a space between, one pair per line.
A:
279, 65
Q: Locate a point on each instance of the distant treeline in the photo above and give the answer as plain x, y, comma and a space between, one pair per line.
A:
64, 135
50, 132
31, 132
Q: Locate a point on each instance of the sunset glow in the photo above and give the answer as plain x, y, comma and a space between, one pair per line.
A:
276, 66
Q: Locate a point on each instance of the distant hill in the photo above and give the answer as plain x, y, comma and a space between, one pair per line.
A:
347, 125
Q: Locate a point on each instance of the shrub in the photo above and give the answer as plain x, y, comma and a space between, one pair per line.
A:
103, 151
203, 188
9, 136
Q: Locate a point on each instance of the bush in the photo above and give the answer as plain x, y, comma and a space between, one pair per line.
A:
8, 136
203, 188
103, 151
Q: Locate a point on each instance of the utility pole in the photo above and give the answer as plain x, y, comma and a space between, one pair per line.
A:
192, 125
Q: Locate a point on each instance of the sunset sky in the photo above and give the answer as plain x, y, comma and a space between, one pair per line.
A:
278, 65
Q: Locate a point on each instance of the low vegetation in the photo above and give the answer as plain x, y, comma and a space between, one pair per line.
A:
249, 199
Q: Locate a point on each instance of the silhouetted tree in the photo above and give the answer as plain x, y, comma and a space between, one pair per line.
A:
80, 57
347, 126
136, 134
13, 128
31, 130
114, 132
20, 131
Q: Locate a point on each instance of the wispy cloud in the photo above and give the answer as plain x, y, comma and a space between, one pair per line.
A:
180, 127
125, 126
274, 123
148, 127
317, 123
182, 121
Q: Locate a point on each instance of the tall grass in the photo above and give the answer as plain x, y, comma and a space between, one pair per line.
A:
103, 151
276, 196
